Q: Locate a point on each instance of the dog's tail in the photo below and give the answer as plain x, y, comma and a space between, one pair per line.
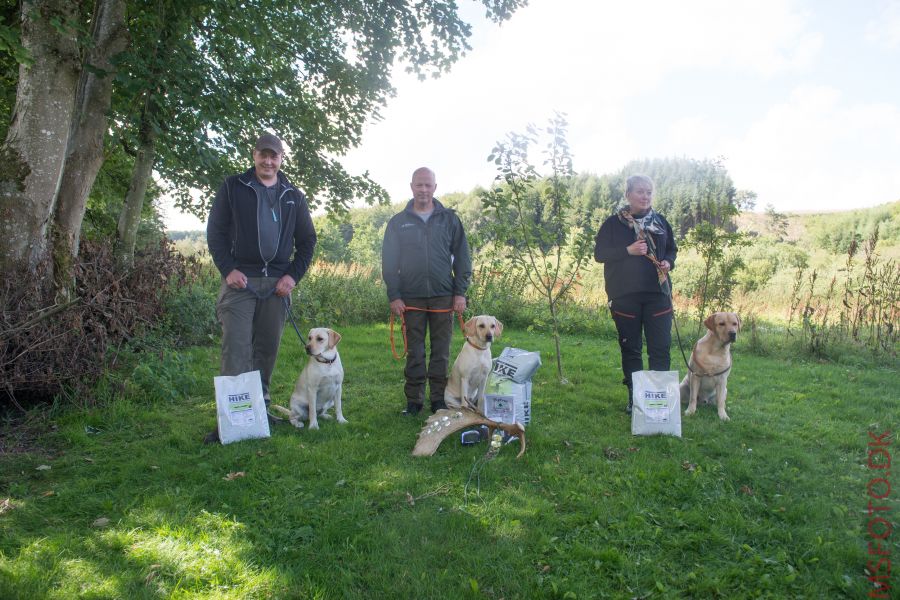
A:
280, 409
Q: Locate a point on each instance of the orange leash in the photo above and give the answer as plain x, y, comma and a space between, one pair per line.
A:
462, 327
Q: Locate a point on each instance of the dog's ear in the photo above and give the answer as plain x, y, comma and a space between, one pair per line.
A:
470, 326
333, 338
499, 327
710, 322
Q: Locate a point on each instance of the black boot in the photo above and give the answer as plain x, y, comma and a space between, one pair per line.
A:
630, 404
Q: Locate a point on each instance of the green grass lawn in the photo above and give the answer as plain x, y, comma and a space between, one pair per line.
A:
770, 505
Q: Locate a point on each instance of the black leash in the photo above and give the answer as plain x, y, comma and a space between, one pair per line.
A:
287, 307
687, 363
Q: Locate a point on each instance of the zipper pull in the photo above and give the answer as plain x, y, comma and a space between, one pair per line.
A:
274, 216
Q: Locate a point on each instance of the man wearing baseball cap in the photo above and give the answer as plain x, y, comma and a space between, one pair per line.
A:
261, 239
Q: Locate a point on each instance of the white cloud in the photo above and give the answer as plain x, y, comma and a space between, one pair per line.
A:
884, 29
798, 156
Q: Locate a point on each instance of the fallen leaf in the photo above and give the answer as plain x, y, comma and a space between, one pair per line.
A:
746, 489
410, 500
44, 468
88, 459
235, 475
633, 449
545, 569
154, 467
47, 494
6, 505
607, 494
689, 466
612, 453
340, 483
101, 522
567, 443
557, 458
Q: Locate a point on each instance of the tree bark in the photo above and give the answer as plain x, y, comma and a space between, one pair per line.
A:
89, 125
130, 217
32, 157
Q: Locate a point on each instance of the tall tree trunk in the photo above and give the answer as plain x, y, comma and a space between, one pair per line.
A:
32, 157
130, 218
89, 124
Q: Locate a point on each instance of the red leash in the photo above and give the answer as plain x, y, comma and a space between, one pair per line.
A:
462, 327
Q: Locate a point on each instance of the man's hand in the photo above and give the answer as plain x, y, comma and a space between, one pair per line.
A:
398, 306
459, 304
284, 286
236, 280
664, 266
639, 248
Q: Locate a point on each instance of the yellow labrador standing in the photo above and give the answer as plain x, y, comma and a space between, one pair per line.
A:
471, 368
319, 385
710, 363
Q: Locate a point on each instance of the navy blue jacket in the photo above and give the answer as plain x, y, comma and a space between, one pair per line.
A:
232, 232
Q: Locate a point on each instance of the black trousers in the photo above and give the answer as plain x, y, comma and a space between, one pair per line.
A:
439, 327
648, 313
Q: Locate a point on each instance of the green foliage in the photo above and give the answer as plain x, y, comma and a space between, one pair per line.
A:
208, 77
836, 232
333, 294
101, 217
719, 251
536, 225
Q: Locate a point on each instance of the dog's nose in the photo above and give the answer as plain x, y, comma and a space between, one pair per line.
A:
732, 335
489, 337
308, 351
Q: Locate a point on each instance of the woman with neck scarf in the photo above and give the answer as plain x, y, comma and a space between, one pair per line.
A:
637, 249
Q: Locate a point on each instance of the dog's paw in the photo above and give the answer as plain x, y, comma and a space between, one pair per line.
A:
724, 416
326, 415
297, 423
691, 410
313, 425
341, 419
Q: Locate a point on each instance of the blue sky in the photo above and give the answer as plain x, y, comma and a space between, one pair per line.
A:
800, 97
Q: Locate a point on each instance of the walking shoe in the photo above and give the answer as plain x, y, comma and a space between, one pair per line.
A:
212, 437
412, 409
436, 406
630, 401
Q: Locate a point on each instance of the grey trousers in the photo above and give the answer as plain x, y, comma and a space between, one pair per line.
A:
440, 331
251, 328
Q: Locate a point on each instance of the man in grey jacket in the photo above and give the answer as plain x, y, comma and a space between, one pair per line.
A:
426, 268
261, 238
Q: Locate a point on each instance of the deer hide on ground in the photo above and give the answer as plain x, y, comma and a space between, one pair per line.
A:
446, 421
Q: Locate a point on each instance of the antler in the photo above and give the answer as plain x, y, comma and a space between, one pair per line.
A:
447, 420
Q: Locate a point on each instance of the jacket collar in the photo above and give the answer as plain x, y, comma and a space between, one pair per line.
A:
250, 174
438, 207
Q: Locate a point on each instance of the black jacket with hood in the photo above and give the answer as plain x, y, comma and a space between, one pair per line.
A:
232, 232
425, 260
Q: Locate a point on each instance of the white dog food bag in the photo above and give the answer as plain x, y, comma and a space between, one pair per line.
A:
240, 407
507, 395
657, 403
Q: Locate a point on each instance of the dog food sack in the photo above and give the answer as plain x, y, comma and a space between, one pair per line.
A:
657, 403
240, 407
507, 395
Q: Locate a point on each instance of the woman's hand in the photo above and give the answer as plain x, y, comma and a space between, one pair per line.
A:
639, 248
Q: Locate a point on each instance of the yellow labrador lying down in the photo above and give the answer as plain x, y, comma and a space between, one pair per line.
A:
469, 375
710, 364
319, 385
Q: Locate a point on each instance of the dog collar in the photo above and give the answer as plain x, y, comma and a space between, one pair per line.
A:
697, 364
324, 361
475, 345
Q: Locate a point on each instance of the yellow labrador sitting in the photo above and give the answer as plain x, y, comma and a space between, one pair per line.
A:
710, 363
470, 371
319, 385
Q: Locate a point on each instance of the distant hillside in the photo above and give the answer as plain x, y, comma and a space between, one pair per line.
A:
832, 230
